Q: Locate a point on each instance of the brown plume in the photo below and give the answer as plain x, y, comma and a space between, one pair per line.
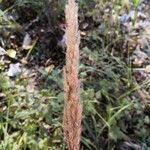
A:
72, 108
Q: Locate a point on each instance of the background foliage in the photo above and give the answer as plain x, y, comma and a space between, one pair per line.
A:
114, 91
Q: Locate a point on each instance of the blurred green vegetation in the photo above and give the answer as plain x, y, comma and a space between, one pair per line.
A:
112, 110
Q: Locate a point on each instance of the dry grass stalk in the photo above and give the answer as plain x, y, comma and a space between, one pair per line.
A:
72, 109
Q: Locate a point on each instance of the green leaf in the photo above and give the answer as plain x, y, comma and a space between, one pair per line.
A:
116, 134
24, 114
136, 3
